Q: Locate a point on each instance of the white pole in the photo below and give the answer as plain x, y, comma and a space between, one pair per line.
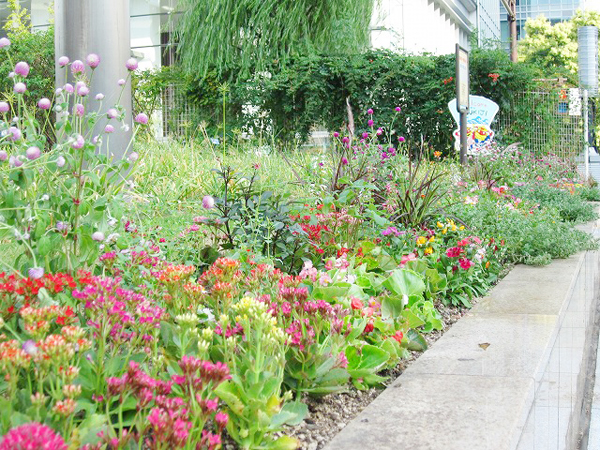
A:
101, 27
585, 134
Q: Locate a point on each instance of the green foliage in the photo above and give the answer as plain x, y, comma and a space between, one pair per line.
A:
553, 48
256, 34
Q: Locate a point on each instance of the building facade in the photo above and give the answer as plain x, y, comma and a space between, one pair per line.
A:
554, 10
434, 26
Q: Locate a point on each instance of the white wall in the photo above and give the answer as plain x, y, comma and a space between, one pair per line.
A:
416, 26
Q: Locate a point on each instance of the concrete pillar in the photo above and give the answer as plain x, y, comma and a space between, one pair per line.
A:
102, 27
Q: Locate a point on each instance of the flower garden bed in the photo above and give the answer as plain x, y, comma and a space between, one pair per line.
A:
152, 312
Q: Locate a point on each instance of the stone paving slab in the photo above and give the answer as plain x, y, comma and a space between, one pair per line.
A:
431, 412
458, 395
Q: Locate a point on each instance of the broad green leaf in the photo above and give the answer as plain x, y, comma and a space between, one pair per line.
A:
404, 282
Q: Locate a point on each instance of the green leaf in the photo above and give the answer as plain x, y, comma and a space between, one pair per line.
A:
404, 282
292, 413
227, 392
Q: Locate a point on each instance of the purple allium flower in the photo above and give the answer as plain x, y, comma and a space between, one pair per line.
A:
398, 109
208, 202
4, 107
69, 88
109, 128
379, 131
61, 161
98, 236
369, 111
22, 68
77, 67
131, 64
16, 133
344, 161
133, 157
29, 347
345, 139
32, 436
3, 155
99, 97
44, 103
92, 60
121, 82
78, 110
79, 142
336, 134
83, 91
19, 88
371, 122
141, 118
35, 273
62, 226
4, 42
401, 139
33, 153
365, 135
63, 61
112, 113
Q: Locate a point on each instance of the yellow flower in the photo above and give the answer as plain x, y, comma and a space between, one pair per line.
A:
428, 251
461, 227
445, 230
439, 224
422, 240
432, 239
453, 227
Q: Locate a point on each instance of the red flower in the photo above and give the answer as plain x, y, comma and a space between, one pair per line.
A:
356, 303
465, 263
370, 327
454, 252
398, 336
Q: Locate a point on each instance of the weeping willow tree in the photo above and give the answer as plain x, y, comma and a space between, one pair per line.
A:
253, 35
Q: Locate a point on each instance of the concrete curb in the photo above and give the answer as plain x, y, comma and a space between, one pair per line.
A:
525, 390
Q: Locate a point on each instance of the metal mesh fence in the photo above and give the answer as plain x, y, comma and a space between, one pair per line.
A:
544, 122
178, 113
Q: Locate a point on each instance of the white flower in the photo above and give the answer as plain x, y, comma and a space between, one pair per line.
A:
45, 197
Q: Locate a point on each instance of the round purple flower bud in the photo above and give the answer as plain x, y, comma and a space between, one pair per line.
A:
4, 107
44, 103
401, 139
22, 68
133, 157
121, 82
61, 226
336, 134
3, 155
344, 161
19, 88
77, 67
379, 131
78, 110
29, 346
33, 153
371, 122
16, 133
35, 273
15, 162
365, 135
60, 162
131, 64
345, 139
208, 202
95, 139
92, 60
369, 111
58, 91
83, 91
11, 75
63, 61
4, 42
109, 128
79, 142
98, 236
69, 88
141, 118
112, 113
398, 109
99, 97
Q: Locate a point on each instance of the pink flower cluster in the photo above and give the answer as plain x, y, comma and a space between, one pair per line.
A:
32, 436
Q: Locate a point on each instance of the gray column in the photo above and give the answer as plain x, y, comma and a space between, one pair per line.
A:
102, 27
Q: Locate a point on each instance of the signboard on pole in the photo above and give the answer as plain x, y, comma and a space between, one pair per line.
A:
479, 120
462, 79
